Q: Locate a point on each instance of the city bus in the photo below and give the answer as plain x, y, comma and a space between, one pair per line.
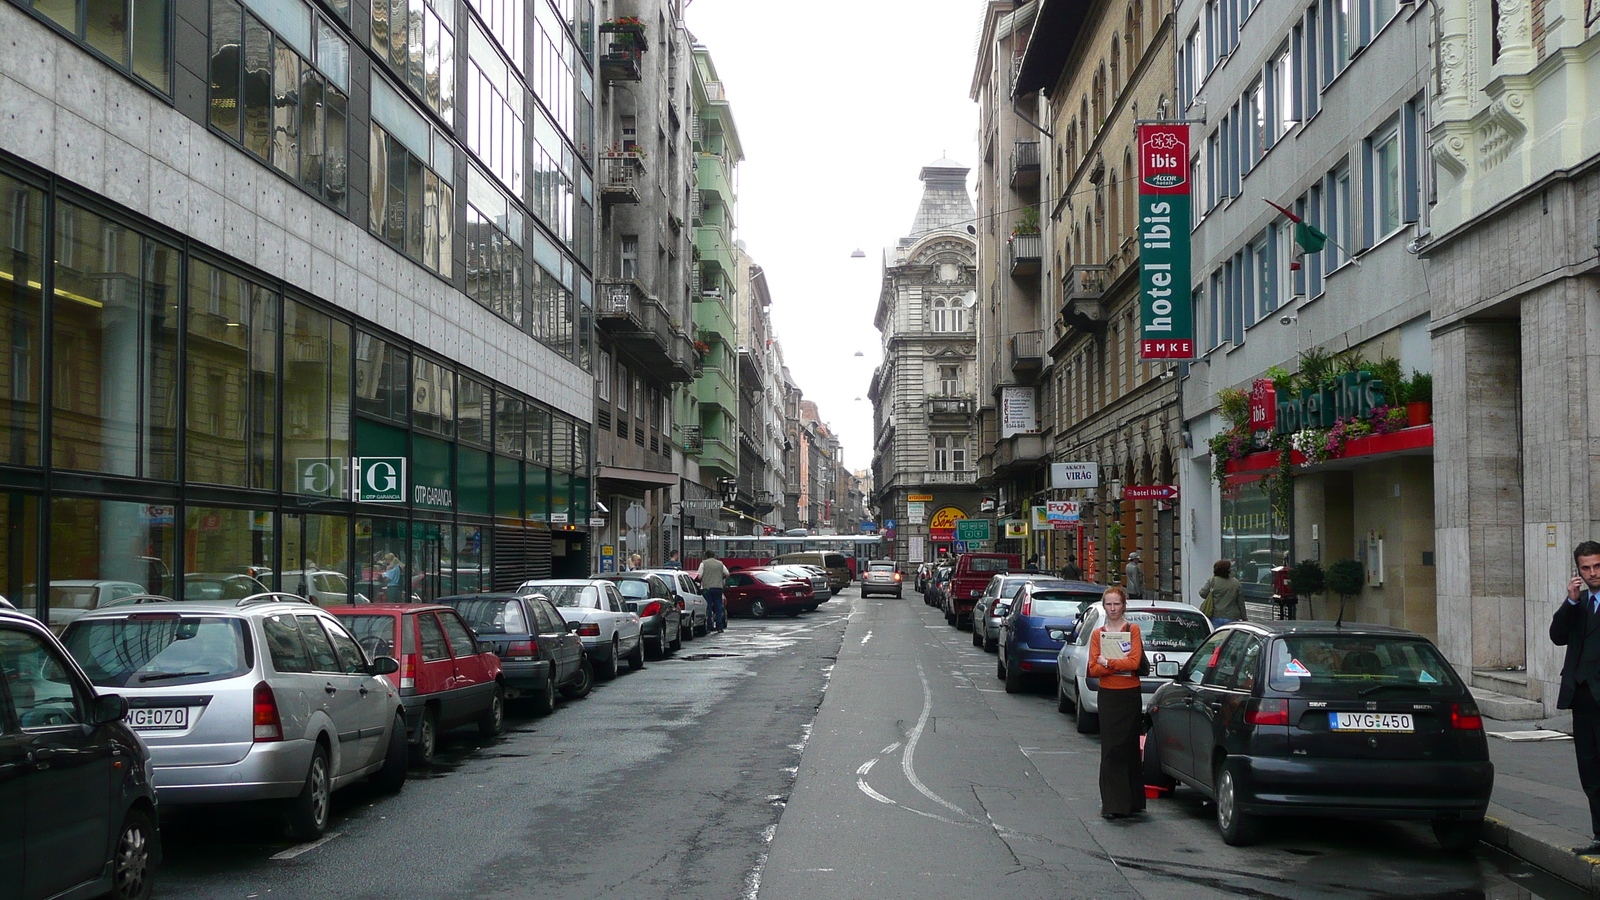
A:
749, 551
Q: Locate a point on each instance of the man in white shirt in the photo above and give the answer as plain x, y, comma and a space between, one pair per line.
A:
713, 578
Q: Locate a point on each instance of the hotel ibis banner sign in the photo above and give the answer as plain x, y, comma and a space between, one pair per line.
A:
1166, 311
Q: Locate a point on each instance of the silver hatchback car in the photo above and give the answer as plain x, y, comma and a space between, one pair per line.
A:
265, 698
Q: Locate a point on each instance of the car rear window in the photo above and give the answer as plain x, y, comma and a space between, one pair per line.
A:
633, 588
769, 577
1060, 604
834, 561
148, 649
488, 616
1173, 630
881, 567
987, 564
1354, 665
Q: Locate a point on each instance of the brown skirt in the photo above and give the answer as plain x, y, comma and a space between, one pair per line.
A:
1121, 771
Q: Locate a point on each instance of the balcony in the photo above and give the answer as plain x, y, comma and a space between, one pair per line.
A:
752, 371
715, 181
621, 176
929, 477
623, 44
1025, 166
712, 243
1027, 250
639, 326
1027, 354
717, 458
1019, 453
946, 408
1082, 290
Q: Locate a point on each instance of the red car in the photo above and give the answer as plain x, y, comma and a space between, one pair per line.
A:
446, 678
763, 592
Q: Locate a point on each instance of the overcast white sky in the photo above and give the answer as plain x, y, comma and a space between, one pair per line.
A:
839, 104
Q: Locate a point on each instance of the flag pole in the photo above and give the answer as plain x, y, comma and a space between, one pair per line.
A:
1329, 238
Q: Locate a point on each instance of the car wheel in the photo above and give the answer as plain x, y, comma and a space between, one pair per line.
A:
1015, 680
1063, 705
758, 608
133, 859
704, 628
1087, 722
608, 671
1153, 775
676, 643
1239, 829
392, 777
308, 813
1457, 835
949, 618
1000, 669
657, 650
427, 744
991, 645
579, 689
494, 721
544, 702
977, 639
636, 658
687, 631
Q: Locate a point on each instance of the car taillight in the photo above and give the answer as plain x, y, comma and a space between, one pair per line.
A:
588, 629
1027, 606
1465, 717
650, 609
522, 650
897, 576
680, 604
268, 727
408, 671
1267, 712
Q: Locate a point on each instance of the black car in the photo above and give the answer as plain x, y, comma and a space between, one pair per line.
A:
653, 599
1314, 718
539, 652
77, 811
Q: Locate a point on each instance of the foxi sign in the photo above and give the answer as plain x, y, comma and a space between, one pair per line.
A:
1166, 314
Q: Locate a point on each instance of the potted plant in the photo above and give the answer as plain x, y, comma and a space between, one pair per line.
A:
1027, 221
1346, 578
1306, 579
1419, 399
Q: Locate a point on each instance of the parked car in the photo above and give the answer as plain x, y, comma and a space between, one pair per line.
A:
834, 563
540, 655
971, 575
660, 620
82, 824
924, 572
5, 604
763, 592
1026, 646
608, 632
696, 611
223, 586
1318, 718
821, 588
265, 698
324, 587
71, 598
817, 578
448, 678
1169, 631
882, 577
938, 583
995, 601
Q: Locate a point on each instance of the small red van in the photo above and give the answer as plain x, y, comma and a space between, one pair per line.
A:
971, 576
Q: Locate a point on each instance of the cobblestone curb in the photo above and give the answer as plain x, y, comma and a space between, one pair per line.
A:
1546, 846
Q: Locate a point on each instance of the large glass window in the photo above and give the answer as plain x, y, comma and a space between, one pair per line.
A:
1383, 178
554, 311
383, 370
115, 349
496, 104
134, 35
416, 40
494, 249
100, 549
433, 397
21, 309
411, 200
474, 412
232, 404
1252, 538
279, 87
223, 544
316, 404
554, 56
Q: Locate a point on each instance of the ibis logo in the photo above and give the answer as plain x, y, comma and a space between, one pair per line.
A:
380, 479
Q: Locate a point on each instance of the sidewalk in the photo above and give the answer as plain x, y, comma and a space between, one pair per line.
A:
1537, 811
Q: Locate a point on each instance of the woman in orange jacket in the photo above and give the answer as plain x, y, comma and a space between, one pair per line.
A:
1117, 667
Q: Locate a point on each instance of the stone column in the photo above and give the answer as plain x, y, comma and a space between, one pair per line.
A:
1477, 393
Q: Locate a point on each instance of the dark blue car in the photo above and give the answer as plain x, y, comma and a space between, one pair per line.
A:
1026, 648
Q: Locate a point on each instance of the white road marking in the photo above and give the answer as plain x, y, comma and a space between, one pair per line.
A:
307, 847
866, 767
891, 748
907, 764
867, 638
867, 789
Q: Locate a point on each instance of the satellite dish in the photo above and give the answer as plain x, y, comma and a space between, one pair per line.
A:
969, 299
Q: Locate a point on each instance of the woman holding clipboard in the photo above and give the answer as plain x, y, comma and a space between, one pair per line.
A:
1114, 654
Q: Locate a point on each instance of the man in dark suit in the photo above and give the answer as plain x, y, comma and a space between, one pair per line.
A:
1576, 626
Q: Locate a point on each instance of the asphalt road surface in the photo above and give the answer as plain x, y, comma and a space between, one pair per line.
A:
864, 750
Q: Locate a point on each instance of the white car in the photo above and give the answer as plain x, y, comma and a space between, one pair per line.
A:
1169, 631
696, 611
72, 598
608, 631
818, 578
324, 587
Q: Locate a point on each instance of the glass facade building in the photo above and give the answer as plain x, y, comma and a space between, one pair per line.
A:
186, 397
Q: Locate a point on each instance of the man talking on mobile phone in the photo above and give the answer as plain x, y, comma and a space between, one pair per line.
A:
1576, 626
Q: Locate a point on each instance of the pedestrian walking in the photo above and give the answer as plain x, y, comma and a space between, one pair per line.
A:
1070, 571
391, 578
1574, 627
1223, 595
1115, 650
673, 561
713, 578
1133, 577
635, 563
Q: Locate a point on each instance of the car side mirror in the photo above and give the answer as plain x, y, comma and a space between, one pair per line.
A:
1057, 634
631, 606
1167, 669
109, 708
486, 646
572, 627
385, 665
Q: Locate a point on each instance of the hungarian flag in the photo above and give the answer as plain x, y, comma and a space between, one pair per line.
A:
1307, 239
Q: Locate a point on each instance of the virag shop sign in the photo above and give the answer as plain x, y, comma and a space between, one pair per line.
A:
1351, 395
1166, 309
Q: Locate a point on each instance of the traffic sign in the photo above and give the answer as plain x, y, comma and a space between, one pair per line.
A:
972, 530
1150, 492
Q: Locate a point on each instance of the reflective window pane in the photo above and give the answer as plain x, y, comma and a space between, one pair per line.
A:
21, 310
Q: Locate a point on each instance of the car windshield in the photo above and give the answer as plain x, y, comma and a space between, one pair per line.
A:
489, 615
633, 588
158, 648
1355, 665
1060, 604
1175, 630
572, 595
374, 632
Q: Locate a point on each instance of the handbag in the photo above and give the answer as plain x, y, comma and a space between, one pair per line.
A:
1206, 604
1144, 665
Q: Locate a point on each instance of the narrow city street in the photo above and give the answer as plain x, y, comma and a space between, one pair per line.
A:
716, 774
